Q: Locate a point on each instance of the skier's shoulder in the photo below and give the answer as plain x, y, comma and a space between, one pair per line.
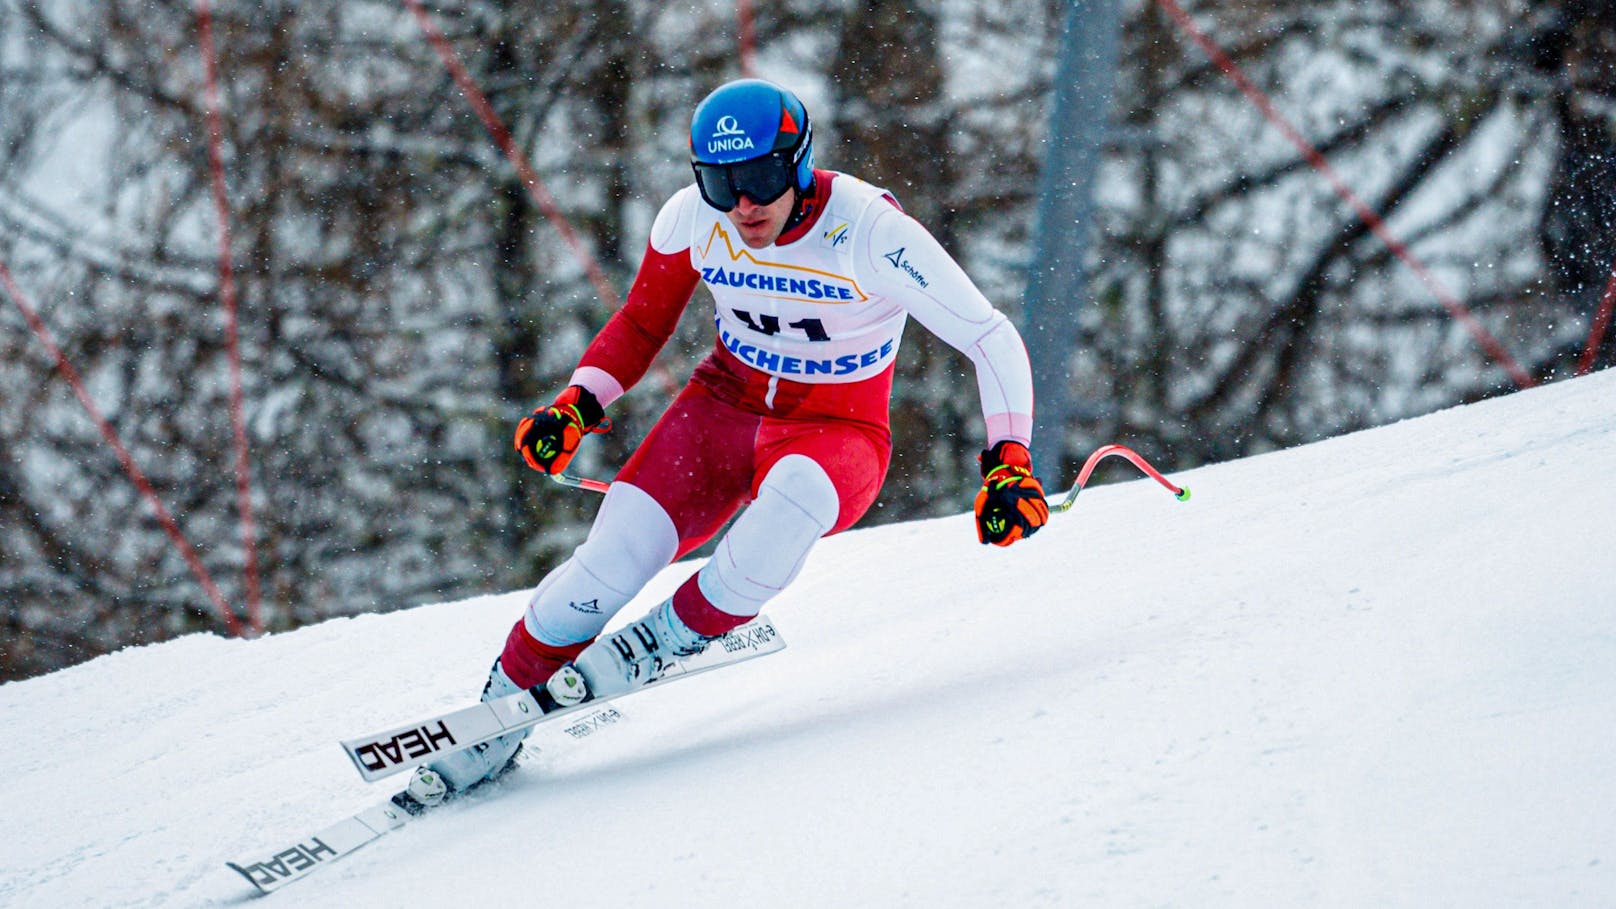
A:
875, 224
672, 229
855, 212
857, 198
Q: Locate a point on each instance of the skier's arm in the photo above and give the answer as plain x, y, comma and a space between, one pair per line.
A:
903, 262
906, 264
624, 349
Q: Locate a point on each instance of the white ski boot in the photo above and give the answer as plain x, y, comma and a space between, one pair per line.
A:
461, 770
639, 653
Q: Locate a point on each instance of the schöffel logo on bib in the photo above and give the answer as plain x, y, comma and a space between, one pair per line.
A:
742, 270
728, 136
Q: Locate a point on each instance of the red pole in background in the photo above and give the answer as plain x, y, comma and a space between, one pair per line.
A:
502, 137
530, 178
743, 15
1596, 335
1370, 217
227, 296
110, 435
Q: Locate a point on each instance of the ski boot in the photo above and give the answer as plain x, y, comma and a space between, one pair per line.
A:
638, 654
459, 771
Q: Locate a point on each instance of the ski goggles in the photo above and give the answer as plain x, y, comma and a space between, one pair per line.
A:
763, 180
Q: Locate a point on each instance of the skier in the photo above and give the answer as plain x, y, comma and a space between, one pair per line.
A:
813, 274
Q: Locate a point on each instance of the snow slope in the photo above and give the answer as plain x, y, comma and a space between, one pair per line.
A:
1379, 670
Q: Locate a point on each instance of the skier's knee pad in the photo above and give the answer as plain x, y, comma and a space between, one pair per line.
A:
632, 539
766, 546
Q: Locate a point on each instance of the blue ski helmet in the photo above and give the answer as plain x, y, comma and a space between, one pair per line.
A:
750, 137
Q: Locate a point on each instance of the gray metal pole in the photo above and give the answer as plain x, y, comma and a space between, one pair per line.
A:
1057, 280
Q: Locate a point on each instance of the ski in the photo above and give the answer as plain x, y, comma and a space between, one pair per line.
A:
403, 747
305, 855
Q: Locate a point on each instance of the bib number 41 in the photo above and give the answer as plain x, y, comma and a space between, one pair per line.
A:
770, 325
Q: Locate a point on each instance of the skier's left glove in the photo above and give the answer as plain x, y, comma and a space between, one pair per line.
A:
550, 436
1011, 504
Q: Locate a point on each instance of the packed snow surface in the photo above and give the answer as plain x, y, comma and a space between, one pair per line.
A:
1375, 671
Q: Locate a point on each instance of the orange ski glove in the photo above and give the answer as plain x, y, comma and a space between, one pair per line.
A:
550, 436
1011, 503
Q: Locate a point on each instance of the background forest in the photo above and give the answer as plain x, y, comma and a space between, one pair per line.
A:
403, 298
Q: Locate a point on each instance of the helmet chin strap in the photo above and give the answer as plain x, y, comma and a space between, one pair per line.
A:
803, 208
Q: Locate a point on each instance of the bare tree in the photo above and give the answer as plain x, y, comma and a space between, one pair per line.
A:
1241, 305
1560, 57
404, 299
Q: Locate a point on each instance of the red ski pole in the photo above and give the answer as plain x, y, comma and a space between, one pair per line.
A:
599, 486
1179, 492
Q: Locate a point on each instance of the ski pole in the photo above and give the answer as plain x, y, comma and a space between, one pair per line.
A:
1179, 492
599, 486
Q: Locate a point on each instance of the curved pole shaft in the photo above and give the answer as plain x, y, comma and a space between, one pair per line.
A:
1105, 451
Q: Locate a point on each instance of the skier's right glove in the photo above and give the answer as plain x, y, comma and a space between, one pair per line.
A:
550, 436
1011, 503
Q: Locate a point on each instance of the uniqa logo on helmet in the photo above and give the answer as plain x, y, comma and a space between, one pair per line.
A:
728, 137
745, 119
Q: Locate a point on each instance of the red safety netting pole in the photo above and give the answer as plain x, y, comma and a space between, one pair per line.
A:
743, 16
1376, 224
1596, 335
227, 296
530, 178
167, 521
502, 137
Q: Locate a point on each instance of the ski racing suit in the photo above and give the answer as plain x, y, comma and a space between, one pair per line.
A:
788, 413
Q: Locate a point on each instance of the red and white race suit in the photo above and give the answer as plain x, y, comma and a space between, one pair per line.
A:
788, 412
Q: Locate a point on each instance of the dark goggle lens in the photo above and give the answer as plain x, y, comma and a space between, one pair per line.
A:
713, 181
763, 180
